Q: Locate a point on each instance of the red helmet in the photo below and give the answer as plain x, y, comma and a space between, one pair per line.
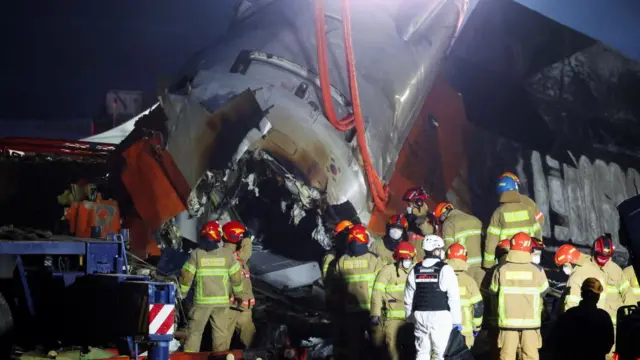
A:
566, 253
503, 247
398, 221
442, 209
212, 231
233, 231
404, 250
603, 249
417, 196
457, 251
510, 175
342, 225
358, 233
521, 242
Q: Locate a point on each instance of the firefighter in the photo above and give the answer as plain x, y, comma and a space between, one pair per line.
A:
529, 203
356, 272
510, 218
466, 230
239, 241
520, 286
213, 271
340, 233
432, 301
421, 222
387, 299
634, 296
396, 232
490, 318
471, 303
578, 267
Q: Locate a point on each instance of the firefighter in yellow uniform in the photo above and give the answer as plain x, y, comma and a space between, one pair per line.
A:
510, 218
578, 267
356, 273
490, 318
466, 230
530, 204
630, 275
470, 299
387, 301
330, 260
237, 239
396, 232
213, 271
418, 215
520, 286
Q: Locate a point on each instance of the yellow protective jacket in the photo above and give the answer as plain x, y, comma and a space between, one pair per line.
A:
634, 296
510, 218
470, 298
247, 288
212, 271
378, 247
537, 214
617, 289
520, 286
466, 230
490, 317
387, 299
584, 268
356, 275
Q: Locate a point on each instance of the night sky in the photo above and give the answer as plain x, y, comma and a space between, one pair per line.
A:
61, 57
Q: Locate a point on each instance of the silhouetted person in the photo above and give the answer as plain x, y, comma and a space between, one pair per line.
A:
584, 332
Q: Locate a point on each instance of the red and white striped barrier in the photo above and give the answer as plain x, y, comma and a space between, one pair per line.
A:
161, 319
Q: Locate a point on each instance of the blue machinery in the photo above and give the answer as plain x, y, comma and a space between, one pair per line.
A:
94, 293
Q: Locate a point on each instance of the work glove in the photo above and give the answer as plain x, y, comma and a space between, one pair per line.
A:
457, 326
375, 320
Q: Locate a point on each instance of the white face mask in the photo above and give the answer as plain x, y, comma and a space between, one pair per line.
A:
409, 209
406, 263
536, 257
395, 234
567, 269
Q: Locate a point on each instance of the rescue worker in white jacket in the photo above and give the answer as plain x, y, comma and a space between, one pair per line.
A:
432, 301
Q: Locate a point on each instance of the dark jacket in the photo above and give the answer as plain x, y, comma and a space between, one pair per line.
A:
583, 332
457, 348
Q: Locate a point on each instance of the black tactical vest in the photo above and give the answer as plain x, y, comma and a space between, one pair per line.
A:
428, 296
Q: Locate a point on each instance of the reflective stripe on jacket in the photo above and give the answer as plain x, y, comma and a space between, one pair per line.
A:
535, 213
245, 273
357, 275
465, 230
520, 286
213, 272
387, 298
510, 218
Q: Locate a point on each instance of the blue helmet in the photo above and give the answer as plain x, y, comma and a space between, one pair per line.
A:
506, 184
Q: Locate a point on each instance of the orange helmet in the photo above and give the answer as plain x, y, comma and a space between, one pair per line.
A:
510, 175
521, 242
342, 225
457, 251
404, 250
566, 253
398, 221
358, 233
212, 231
233, 231
442, 209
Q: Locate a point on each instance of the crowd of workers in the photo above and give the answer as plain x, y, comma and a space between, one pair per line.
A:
430, 280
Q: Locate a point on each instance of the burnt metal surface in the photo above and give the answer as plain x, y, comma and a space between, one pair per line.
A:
271, 49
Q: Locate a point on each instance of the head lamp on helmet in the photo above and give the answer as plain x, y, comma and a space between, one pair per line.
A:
233, 231
603, 249
416, 196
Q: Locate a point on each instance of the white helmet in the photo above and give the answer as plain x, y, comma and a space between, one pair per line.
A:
432, 242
